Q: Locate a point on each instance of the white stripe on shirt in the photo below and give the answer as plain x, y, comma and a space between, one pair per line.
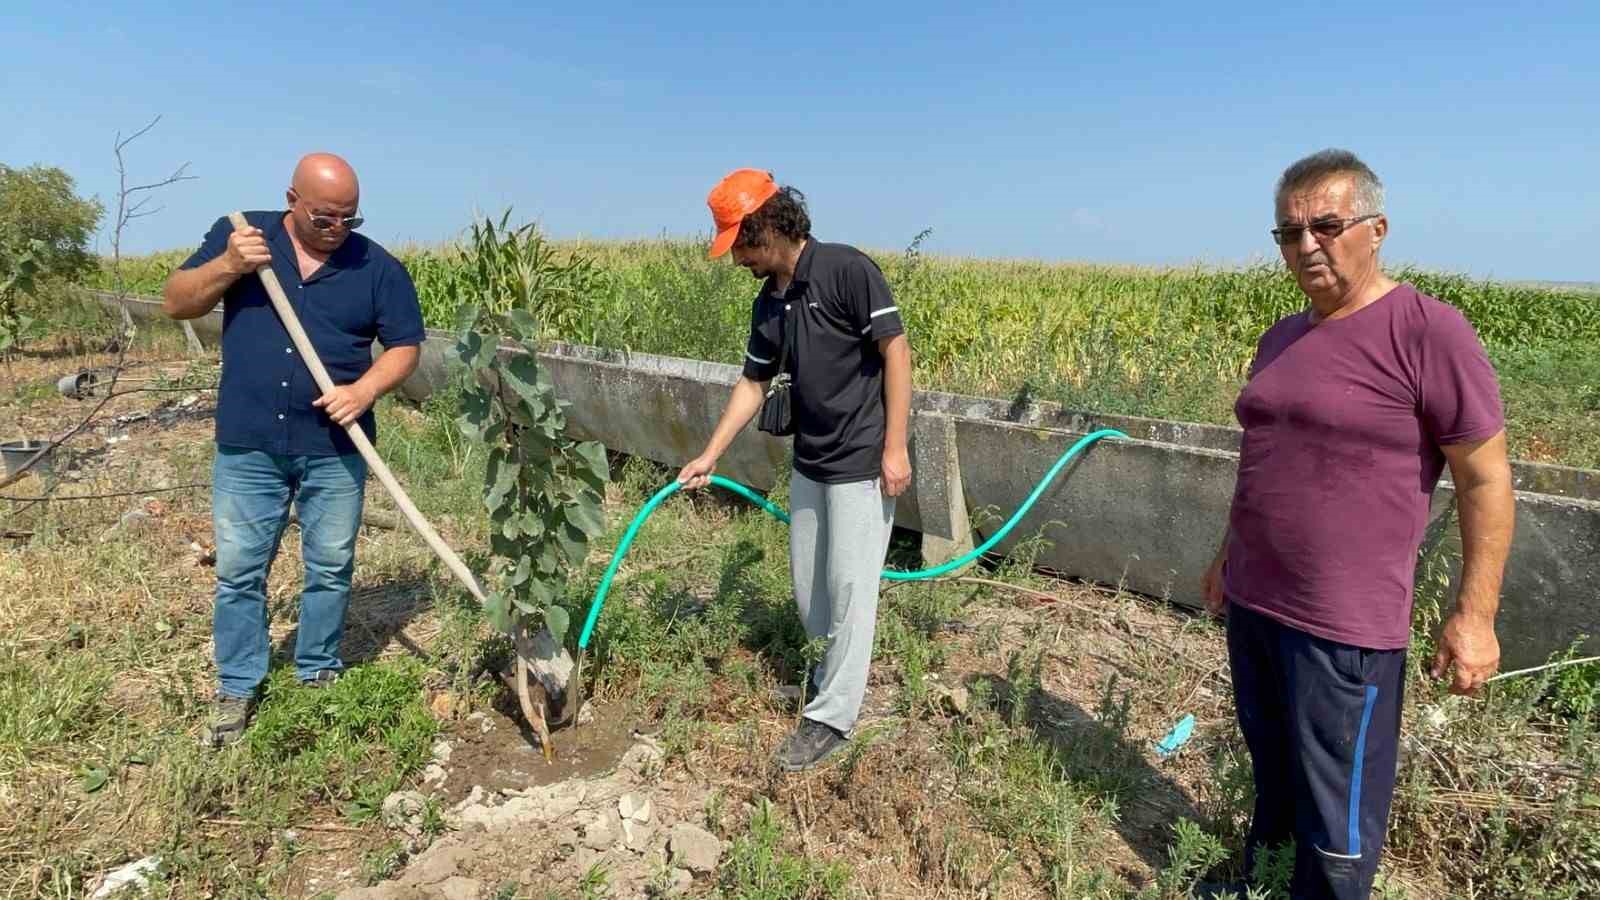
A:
756, 359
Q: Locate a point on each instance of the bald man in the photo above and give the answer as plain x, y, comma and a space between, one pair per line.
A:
279, 439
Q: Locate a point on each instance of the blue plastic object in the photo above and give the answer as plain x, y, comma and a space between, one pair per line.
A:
1177, 737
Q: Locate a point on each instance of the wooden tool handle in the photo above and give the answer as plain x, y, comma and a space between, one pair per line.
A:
297, 334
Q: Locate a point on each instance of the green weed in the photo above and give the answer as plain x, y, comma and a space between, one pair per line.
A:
759, 868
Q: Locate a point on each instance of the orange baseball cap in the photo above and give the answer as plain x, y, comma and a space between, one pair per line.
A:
738, 195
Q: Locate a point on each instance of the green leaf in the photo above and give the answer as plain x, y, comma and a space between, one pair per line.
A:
476, 414
472, 349
574, 544
467, 318
504, 548
523, 325
593, 455
547, 562
532, 524
585, 514
500, 477
93, 779
524, 568
537, 595
496, 431
497, 609
554, 518
556, 619
521, 373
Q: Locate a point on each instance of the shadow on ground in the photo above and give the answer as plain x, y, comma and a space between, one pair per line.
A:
1095, 754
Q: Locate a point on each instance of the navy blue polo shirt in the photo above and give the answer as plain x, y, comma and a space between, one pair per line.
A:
838, 306
360, 293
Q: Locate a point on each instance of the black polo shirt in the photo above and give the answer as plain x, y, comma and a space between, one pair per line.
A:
840, 306
360, 293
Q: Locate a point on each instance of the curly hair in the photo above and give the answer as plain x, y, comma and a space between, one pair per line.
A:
784, 214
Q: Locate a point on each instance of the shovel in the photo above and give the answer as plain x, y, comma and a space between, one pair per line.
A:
540, 655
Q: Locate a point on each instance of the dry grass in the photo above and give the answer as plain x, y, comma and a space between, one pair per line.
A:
1048, 786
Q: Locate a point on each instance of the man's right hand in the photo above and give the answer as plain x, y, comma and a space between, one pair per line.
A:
247, 251
1211, 587
697, 474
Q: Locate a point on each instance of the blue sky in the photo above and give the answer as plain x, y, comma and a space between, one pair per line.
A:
1148, 133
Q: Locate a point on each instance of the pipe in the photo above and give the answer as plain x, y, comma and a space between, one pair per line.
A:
776, 512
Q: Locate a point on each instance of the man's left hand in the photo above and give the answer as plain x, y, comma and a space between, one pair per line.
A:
345, 403
896, 471
1468, 642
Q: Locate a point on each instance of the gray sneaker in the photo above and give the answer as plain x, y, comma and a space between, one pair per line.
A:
322, 679
810, 744
227, 722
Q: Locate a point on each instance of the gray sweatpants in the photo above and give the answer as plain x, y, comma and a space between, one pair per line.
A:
838, 538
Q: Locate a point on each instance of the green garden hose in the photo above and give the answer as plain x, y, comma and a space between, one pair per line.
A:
888, 574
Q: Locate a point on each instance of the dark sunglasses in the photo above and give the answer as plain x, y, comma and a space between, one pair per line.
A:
1324, 229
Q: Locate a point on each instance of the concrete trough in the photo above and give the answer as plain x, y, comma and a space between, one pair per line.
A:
1146, 513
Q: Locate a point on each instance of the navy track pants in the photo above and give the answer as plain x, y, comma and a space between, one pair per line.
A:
1322, 721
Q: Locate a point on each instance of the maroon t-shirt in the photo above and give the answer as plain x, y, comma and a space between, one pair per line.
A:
1343, 422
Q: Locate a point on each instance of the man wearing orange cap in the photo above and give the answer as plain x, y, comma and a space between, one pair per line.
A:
826, 318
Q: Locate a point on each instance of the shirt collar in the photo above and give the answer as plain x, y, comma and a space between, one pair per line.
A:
350, 253
802, 271
802, 266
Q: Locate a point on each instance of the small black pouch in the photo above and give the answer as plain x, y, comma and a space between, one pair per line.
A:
777, 414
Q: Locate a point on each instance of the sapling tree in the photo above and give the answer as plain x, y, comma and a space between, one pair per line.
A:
542, 489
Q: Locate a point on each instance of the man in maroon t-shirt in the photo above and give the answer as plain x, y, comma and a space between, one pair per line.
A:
1353, 409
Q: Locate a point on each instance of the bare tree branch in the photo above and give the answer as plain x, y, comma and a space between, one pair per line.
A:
174, 178
137, 134
125, 214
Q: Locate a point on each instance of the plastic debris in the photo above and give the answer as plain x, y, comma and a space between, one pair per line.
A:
135, 874
1177, 737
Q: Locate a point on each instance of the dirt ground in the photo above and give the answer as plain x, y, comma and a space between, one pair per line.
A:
893, 810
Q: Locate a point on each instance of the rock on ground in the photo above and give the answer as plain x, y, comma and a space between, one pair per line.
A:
694, 848
644, 831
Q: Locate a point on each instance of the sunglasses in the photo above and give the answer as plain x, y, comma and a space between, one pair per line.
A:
327, 223
1324, 229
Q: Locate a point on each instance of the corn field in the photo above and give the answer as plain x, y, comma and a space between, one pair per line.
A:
1173, 343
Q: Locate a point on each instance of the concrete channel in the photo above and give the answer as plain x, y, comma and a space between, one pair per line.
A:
1145, 513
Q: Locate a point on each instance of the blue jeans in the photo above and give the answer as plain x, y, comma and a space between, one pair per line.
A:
250, 495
